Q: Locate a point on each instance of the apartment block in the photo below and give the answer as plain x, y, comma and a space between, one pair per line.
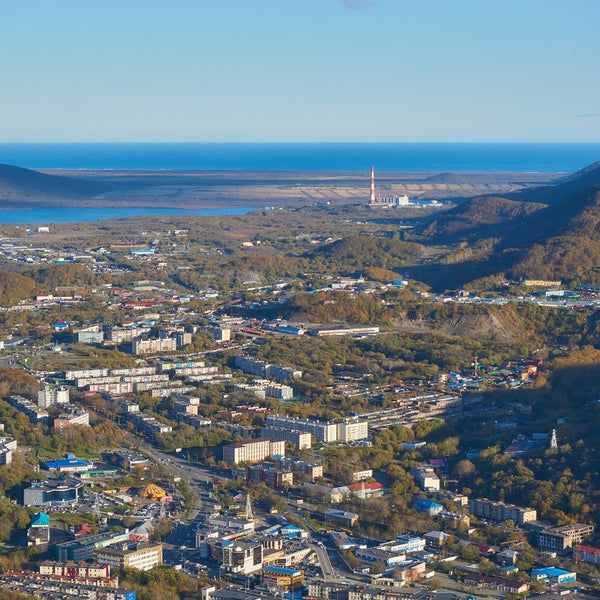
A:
153, 346
500, 511
300, 439
143, 556
51, 395
252, 450
322, 431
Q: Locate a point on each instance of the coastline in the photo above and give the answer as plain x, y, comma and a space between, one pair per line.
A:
192, 190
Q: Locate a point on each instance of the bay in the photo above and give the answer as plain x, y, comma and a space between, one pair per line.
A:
48, 216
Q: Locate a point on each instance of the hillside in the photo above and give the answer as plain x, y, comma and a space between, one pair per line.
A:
492, 238
556, 193
479, 218
359, 251
27, 186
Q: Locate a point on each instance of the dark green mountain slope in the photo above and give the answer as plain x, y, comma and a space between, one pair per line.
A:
479, 218
17, 184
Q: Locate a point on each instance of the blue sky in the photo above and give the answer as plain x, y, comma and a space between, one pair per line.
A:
300, 70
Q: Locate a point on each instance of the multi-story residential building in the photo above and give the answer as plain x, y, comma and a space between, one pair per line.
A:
273, 478
282, 373
252, 450
142, 556
280, 391
302, 440
221, 334
500, 511
263, 369
52, 587
153, 346
118, 335
89, 335
323, 431
588, 554
27, 407
71, 375
83, 548
75, 569
313, 470
148, 424
52, 395
353, 429
72, 416
7, 446
262, 388
561, 539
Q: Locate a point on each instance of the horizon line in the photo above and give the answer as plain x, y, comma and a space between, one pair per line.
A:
340, 143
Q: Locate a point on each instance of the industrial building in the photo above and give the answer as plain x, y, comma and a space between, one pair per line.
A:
562, 539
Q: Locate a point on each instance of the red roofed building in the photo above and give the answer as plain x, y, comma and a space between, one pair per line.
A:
366, 490
589, 554
83, 529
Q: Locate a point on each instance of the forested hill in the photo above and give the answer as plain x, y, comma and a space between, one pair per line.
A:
18, 184
564, 243
360, 251
480, 217
553, 194
559, 242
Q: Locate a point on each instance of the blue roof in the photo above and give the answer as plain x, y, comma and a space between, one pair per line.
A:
549, 571
61, 463
423, 503
40, 520
282, 570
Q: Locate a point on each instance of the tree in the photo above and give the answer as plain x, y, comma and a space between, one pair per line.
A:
464, 468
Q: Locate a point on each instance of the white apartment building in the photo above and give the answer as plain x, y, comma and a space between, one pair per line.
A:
154, 345
353, 429
252, 450
300, 439
134, 556
50, 395
349, 430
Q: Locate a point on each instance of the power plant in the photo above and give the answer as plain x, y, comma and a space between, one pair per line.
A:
385, 201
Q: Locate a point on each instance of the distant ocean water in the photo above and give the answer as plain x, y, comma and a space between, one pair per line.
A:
423, 157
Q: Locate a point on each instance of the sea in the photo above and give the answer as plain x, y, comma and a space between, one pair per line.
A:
407, 157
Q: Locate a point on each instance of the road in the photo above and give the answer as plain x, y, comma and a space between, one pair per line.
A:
179, 465
329, 573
